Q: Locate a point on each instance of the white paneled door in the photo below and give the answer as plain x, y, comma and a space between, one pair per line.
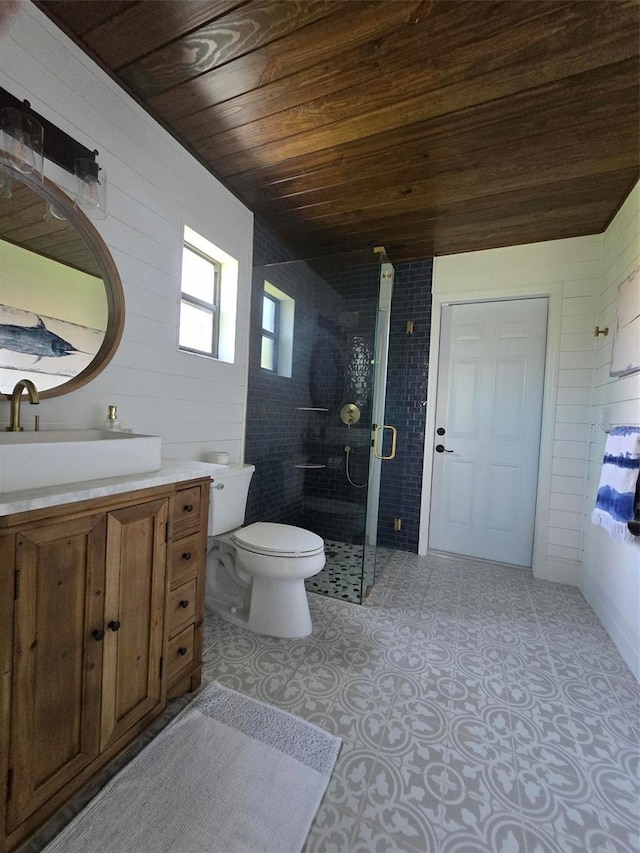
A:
488, 418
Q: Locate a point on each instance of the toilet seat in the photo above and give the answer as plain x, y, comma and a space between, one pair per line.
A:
278, 540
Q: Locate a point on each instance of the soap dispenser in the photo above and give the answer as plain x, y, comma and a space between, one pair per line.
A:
112, 421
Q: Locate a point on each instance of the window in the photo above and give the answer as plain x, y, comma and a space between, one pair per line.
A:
270, 330
277, 331
200, 302
208, 299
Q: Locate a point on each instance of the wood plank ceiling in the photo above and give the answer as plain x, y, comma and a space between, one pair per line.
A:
427, 126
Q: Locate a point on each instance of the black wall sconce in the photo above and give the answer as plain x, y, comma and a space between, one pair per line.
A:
27, 137
58, 146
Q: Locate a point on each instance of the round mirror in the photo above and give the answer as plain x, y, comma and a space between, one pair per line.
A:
61, 298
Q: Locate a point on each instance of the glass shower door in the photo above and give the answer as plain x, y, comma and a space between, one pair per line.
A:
379, 392
315, 468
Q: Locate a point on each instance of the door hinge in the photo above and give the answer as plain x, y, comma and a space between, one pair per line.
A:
9, 784
16, 585
161, 667
397, 524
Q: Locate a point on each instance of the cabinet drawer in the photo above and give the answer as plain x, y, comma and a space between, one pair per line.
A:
182, 606
185, 559
181, 651
186, 511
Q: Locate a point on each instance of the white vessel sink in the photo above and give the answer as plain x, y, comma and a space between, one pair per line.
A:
31, 460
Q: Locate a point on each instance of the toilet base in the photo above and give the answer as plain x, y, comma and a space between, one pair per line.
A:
279, 608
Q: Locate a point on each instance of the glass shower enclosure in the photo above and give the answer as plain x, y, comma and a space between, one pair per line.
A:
331, 441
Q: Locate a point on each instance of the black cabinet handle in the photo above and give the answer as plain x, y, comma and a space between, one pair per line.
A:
182, 651
114, 625
97, 634
186, 555
188, 508
184, 603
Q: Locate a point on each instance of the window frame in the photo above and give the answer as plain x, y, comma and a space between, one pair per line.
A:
211, 307
273, 336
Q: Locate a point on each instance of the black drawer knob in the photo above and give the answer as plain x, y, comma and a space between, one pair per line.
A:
184, 603
182, 651
186, 555
97, 634
188, 508
114, 625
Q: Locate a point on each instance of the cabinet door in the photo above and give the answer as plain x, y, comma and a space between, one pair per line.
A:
57, 663
134, 616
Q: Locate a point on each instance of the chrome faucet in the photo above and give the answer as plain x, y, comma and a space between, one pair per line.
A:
16, 396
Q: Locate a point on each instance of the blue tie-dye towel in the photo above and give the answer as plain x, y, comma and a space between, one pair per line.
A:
616, 492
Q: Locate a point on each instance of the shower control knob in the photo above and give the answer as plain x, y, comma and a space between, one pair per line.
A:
441, 430
220, 486
440, 448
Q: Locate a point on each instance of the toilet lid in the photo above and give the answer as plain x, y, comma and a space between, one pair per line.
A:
278, 540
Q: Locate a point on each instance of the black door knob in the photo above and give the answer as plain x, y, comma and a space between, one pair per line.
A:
182, 651
114, 625
186, 556
184, 603
188, 508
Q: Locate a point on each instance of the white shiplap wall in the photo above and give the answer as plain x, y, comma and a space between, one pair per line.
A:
610, 579
568, 272
155, 187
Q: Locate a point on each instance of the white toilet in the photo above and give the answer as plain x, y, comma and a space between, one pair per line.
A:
256, 574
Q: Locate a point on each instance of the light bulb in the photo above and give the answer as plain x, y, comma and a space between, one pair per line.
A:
20, 151
91, 187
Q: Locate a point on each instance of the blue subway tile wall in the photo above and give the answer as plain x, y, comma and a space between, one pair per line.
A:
276, 440
335, 315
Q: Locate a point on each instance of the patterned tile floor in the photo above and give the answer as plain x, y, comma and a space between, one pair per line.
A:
481, 711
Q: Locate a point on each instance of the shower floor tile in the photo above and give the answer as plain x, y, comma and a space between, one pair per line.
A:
342, 574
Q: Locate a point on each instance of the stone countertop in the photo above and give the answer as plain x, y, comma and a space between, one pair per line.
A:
172, 471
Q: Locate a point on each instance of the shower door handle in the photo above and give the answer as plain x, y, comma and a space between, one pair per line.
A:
377, 447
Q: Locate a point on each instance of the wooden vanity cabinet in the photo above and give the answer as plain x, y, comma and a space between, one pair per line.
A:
186, 582
88, 632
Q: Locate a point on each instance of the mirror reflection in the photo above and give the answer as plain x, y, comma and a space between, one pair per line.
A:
61, 304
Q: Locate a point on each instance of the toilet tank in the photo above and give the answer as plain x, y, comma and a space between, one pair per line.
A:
228, 498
